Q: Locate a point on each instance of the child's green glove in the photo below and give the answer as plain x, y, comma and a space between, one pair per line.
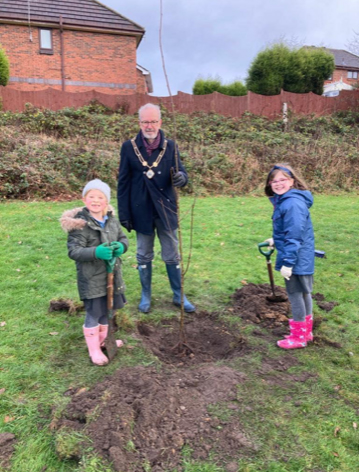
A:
104, 252
118, 248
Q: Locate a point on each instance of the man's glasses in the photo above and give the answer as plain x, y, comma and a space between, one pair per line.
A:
146, 123
279, 181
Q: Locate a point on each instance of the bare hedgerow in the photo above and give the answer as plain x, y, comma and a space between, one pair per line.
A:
46, 154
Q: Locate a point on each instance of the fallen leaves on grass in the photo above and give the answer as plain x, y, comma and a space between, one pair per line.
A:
8, 419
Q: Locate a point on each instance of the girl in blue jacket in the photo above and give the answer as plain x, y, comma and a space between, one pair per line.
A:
293, 237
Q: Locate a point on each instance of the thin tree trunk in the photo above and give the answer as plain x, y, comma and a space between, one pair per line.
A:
182, 340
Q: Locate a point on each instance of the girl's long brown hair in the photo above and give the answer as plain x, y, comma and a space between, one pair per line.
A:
299, 182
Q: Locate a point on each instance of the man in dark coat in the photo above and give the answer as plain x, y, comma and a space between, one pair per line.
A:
147, 200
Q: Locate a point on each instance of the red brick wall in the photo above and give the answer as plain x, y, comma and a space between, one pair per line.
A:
141, 83
97, 59
342, 74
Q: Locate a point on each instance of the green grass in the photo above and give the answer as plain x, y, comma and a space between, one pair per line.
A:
43, 354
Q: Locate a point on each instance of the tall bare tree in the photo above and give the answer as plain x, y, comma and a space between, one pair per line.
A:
182, 344
353, 45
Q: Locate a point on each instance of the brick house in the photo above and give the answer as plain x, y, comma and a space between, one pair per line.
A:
346, 66
346, 73
71, 45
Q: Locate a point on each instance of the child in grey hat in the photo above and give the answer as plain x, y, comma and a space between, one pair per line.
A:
94, 237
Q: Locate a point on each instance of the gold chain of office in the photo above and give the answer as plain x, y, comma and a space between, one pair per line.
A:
149, 173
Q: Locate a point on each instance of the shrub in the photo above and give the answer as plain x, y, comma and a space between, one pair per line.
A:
206, 86
235, 89
67, 148
210, 85
293, 70
4, 68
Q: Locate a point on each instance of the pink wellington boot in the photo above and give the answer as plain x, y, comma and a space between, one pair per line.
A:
92, 337
309, 326
103, 335
297, 337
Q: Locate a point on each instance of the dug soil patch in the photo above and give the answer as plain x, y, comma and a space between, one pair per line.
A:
140, 418
322, 303
207, 339
7, 442
251, 303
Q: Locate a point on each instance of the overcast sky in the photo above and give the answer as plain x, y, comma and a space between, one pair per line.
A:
204, 38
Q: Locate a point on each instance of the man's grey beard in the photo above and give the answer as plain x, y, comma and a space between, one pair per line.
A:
147, 135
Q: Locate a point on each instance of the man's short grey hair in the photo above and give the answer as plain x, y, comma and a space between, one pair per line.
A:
149, 105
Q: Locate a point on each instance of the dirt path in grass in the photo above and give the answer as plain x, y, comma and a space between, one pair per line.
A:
140, 418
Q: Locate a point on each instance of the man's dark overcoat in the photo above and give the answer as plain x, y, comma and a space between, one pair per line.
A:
140, 199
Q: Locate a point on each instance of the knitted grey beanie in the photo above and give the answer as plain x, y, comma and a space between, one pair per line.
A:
97, 184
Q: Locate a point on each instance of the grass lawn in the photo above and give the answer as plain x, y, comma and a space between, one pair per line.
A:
43, 354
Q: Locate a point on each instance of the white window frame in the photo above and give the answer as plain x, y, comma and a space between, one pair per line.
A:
43, 49
352, 74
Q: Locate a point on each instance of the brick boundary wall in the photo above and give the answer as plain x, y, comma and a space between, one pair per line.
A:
268, 106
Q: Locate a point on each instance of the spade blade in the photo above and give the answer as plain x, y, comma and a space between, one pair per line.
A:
110, 341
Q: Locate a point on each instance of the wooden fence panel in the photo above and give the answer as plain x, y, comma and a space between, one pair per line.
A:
269, 106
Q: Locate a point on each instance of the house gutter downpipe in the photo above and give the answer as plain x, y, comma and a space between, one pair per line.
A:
62, 55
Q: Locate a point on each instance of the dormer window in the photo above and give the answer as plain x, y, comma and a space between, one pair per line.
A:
45, 38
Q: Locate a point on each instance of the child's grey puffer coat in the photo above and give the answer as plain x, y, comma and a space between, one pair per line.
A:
84, 235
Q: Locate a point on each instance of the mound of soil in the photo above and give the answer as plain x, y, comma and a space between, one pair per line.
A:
250, 303
65, 304
146, 417
324, 305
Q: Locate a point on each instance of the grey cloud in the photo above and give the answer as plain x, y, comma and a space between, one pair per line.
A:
222, 37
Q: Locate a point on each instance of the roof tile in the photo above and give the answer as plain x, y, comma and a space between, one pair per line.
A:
77, 13
344, 58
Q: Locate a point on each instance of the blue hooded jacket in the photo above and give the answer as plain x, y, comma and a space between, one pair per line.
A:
293, 231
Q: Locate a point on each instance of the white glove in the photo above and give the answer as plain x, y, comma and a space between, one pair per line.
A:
286, 272
270, 241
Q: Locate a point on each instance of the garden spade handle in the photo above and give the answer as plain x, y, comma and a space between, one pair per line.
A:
110, 341
109, 267
267, 255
